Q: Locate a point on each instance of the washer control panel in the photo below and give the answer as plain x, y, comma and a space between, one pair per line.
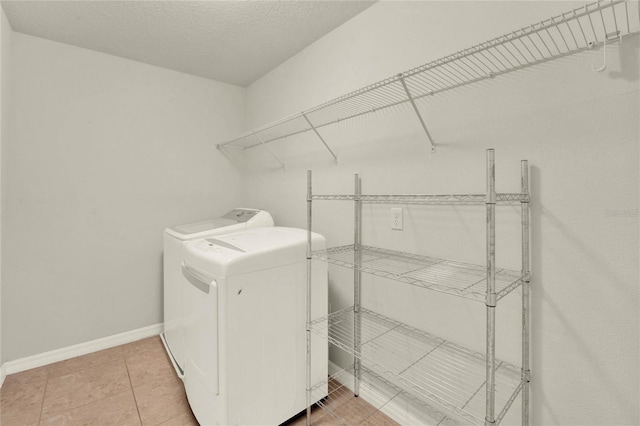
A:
241, 215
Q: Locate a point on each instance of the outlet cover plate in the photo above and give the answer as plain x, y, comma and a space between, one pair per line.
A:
396, 218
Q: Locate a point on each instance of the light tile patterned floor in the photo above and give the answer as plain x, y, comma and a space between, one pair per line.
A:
133, 384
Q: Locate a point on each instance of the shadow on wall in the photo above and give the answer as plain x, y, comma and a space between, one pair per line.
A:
543, 302
629, 60
543, 408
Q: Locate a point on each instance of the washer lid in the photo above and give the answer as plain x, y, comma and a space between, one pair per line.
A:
251, 250
241, 215
205, 225
235, 220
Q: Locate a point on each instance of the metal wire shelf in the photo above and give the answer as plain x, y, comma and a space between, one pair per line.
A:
344, 407
424, 366
444, 199
446, 276
595, 24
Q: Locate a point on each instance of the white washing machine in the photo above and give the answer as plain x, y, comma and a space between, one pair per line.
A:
174, 238
245, 325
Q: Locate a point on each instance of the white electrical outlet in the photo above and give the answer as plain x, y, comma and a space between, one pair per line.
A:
396, 218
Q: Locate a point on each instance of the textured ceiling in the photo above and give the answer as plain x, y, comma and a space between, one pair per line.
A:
231, 41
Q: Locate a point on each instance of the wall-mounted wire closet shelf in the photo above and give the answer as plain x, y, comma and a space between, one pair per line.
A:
468, 386
421, 365
601, 22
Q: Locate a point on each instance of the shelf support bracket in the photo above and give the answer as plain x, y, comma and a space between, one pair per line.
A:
270, 152
417, 111
320, 137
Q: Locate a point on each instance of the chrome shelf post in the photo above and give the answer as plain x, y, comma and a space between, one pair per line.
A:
526, 372
308, 325
491, 290
357, 277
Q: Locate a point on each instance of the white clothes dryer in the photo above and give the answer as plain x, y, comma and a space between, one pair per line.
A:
174, 238
245, 327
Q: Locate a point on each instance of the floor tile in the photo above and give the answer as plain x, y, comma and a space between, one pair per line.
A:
322, 418
85, 386
85, 361
21, 397
139, 346
319, 417
186, 419
116, 410
380, 419
161, 401
325, 421
26, 411
354, 410
338, 394
148, 363
150, 366
27, 375
129, 385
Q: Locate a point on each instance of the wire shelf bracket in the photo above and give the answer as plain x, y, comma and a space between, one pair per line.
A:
417, 111
272, 153
320, 137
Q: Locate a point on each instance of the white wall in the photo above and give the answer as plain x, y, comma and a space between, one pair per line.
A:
104, 154
5, 58
580, 132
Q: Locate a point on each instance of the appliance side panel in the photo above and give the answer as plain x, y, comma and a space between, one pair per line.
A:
267, 344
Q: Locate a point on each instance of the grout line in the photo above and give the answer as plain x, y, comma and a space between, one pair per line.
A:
178, 416
58, 413
135, 400
90, 402
44, 394
124, 358
86, 367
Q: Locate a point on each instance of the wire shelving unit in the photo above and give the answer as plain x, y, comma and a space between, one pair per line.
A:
468, 386
593, 25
